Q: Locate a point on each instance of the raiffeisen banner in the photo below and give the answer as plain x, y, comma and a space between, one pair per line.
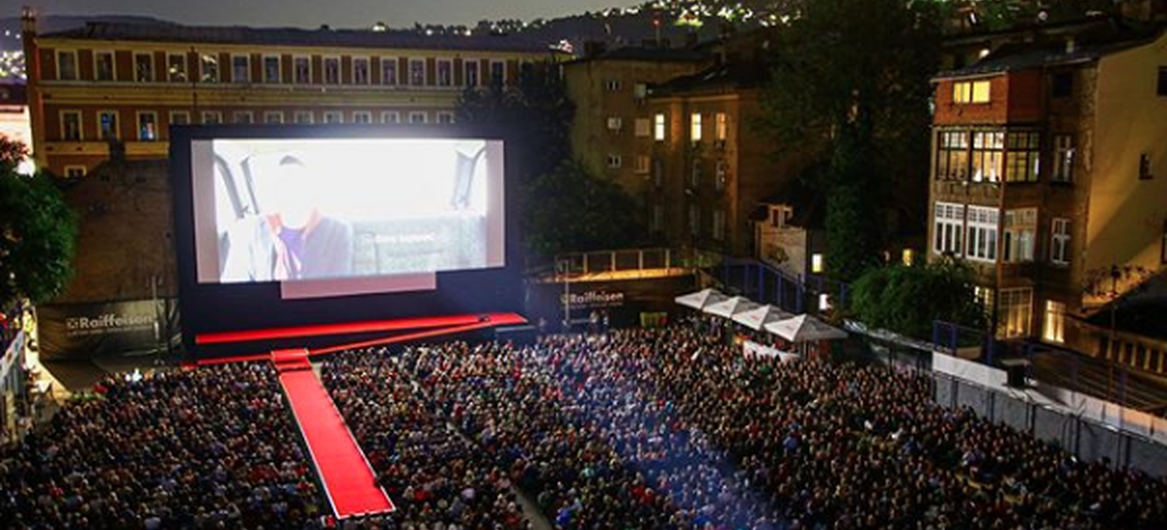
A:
79, 331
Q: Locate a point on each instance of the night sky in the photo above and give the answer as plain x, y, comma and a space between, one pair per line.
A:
337, 13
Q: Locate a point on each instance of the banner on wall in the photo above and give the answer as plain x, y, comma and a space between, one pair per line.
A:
126, 328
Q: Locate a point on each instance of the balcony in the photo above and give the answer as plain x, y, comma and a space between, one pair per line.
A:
985, 193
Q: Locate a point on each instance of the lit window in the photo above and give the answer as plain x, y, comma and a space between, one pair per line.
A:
1020, 235
1060, 242
389, 71
971, 92
107, 125
722, 126
949, 229
643, 127
824, 302
1023, 154
615, 123
658, 127
361, 71
176, 68
987, 156
906, 257
144, 67
983, 226
1055, 322
241, 69
147, 126
1016, 308
302, 70
67, 66
271, 69
816, 263
695, 127
209, 68
1063, 158
952, 155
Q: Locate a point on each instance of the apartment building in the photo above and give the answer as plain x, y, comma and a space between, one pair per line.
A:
121, 86
1049, 169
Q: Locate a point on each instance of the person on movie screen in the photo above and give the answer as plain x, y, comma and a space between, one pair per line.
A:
292, 239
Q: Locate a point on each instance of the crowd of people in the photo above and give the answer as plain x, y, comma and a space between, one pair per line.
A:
668, 429
208, 448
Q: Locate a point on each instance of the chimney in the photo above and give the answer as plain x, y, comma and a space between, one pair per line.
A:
28, 20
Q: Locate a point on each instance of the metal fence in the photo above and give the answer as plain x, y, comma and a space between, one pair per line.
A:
1086, 439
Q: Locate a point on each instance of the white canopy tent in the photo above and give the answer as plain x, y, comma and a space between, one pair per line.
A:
804, 328
758, 317
730, 307
702, 298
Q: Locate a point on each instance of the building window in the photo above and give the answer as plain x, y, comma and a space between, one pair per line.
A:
949, 228
75, 172
1059, 253
147, 126
333, 116
907, 257
643, 127
363, 117
1015, 311
643, 164
1024, 150
658, 173
71, 125
107, 125
658, 218
615, 161
1054, 329
613, 85
987, 156
302, 70
983, 226
417, 72
144, 67
498, 72
658, 127
721, 175
360, 71
470, 78
389, 71
1063, 158
303, 117
1063, 85
273, 116
722, 125
952, 155
390, 116
67, 65
695, 126
209, 68
271, 69
417, 117
1161, 86
640, 91
694, 219
1020, 234
445, 72
824, 302
816, 263
615, 123
176, 68
1145, 167
446, 118
212, 117
332, 70
695, 173
718, 224
970, 92
104, 66
241, 69
244, 117
179, 117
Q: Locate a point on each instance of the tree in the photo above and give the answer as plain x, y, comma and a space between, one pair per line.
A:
908, 299
38, 231
850, 85
570, 209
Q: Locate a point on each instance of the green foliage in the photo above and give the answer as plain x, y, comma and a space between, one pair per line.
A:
907, 300
851, 86
38, 232
570, 209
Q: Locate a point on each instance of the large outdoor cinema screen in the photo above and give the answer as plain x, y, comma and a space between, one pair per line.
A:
290, 225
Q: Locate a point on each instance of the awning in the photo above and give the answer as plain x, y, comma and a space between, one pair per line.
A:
804, 328
700, 299
730, 307
760, 316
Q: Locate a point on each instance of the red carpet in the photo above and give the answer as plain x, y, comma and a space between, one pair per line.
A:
317, 330
349, 482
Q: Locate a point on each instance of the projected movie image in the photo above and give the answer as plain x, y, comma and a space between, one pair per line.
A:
317, 209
